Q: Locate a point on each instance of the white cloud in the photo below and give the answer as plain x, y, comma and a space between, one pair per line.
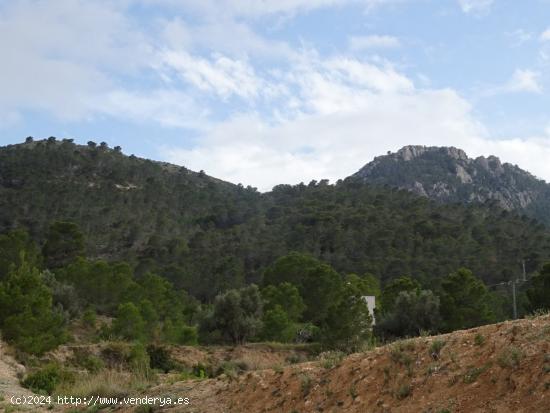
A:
348, 112
524, 80
56, 57
373, 42
521, 81
167, 107
477, 7
545, 35
260, 8
222, 76
519, 37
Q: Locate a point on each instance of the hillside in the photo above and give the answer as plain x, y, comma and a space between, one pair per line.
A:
206, 235
447, 174
496, 368
502, 367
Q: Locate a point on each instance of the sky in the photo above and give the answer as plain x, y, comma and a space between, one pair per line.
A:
264, 92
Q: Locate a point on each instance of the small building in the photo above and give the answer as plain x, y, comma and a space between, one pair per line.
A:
371, 304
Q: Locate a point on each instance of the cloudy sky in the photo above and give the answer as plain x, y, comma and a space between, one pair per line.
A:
280, 91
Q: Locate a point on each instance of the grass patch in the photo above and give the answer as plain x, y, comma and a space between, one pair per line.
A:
510, 357
479, 340
330, 359
436, 347
106, 383
305, 383
403, 391
473, 373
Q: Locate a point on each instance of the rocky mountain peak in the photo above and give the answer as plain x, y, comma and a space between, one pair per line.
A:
447, 174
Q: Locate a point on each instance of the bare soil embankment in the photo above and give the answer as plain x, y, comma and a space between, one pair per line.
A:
503, 367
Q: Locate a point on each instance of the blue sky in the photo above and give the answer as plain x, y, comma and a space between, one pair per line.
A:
265, 92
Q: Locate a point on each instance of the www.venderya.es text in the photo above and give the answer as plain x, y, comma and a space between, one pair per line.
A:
100, 401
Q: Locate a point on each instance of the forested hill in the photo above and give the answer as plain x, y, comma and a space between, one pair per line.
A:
206, 235
447, 174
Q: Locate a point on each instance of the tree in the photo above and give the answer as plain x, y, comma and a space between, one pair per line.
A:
101, 284
287, 297
64, 244
277, 325
149, 316
236, 314
317, 282
129, 323
348, 323
28, 319
291, 268
413, 312
464, 301
392, 290
16, 246
539, 292
176, 331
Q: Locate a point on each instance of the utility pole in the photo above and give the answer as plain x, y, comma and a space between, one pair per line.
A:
524, 274
514, 299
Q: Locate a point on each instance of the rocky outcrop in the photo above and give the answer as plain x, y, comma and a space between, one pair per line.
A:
447, 174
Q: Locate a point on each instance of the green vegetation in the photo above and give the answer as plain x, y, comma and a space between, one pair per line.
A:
510, 357
45, 380
28, 318
176, 257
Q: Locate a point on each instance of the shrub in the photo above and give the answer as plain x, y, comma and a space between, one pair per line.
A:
116, 354
46, 379
403, 391
436, 347
305, 383
201, 371
330, 359
90, 362
159, 358
139, 360
177, 332
479, 340
510, 357
89, 318
473, 373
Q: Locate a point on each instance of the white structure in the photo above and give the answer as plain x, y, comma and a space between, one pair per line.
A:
371, 303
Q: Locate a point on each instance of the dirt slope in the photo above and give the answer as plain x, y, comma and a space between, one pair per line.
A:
498, 368
9, 381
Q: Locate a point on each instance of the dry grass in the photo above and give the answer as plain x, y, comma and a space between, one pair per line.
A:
106, 383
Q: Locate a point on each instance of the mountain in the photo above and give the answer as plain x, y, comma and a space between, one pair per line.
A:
447, 174
206, 235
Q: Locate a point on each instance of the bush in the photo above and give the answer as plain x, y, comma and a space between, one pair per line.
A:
177, 332
159, 358
479, 339
435, 348
89, 318
510, 357
46, 379
116, 354
330, 359
139, 360
201, 371
88, 361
